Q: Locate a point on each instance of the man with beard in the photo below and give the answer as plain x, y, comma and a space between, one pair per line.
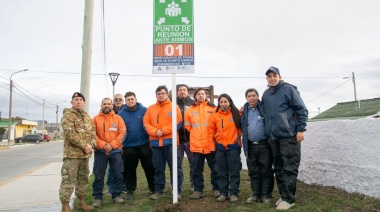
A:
184, 101
110, 130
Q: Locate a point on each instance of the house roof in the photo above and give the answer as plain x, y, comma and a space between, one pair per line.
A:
5, 123
351, 110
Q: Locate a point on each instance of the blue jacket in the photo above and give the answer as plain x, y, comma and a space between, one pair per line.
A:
260, 125
136, 134
285, 112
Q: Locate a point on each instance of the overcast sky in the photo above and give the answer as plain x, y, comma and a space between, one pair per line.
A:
315, 44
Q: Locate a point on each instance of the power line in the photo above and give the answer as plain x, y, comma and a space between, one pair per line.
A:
328, 91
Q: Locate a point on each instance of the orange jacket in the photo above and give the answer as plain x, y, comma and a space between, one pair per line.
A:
196, 122
159, 116
110, 128
222, 128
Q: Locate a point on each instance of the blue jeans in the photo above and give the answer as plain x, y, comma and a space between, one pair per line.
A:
161, 156
182, 148
198, 166
228, 171
100, 165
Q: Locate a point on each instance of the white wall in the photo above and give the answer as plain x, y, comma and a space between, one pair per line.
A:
342, 153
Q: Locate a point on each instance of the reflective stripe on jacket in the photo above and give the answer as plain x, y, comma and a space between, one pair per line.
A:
159, 116
222, 128
110, 128
196, 122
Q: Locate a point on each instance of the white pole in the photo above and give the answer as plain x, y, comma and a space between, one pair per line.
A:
87, 52
174, 136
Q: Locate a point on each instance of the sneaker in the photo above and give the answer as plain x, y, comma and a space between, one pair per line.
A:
278, 201
179, 197
267, 200
129, 195
97, 203
216, 193
221, 198
233, 198
283, 206
192, 188
252, 199
197, 195
156, 196
118, 200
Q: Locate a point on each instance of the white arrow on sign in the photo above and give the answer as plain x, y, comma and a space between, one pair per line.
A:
161, 21
185, 20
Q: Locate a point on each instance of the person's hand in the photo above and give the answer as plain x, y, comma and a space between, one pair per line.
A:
108, 147
159, 133
300, 136
88, 149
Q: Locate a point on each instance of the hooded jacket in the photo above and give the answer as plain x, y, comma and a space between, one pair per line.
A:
222, 128
159, 116
196, 122
110, 128
285, 111
136, 133
79, 131
184, 104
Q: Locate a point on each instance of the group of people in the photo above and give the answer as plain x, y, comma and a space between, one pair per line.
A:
121, 135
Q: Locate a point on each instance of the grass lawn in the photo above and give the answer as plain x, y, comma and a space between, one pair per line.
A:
308, 198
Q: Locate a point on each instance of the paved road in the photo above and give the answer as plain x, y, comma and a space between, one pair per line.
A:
23, 159
30, 176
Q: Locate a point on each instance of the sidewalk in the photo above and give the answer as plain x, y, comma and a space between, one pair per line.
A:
36, 191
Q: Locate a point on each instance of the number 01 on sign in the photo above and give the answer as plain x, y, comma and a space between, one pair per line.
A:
173, 37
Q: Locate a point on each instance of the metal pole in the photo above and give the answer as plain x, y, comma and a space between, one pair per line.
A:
353, 80
56, 124
43, 119
10, 106
174, 139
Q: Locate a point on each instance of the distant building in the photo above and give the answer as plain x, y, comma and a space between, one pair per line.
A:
351, 110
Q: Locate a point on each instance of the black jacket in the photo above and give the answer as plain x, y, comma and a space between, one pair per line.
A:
184, 104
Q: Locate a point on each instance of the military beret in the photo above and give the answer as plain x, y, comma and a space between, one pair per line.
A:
77, 94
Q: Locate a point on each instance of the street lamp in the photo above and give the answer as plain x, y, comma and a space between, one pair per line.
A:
114, 77
10, 105
56, 121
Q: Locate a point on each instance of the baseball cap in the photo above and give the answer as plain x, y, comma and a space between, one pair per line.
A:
273, 69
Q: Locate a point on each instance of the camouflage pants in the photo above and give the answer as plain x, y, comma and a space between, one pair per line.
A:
74, 173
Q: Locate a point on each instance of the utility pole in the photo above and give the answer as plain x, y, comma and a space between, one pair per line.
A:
56, 124
43, 119
87, 52
353, 80
10, 106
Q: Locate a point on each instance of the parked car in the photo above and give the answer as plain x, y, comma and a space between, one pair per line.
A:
46, 137
30, 138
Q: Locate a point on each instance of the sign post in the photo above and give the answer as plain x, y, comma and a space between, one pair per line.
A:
173, 37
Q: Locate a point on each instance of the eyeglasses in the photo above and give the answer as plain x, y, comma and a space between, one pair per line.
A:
118, 99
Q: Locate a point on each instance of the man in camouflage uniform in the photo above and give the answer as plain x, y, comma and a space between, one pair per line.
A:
80, 137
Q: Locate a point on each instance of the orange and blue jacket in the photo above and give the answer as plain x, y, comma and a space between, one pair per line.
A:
223, 130
110, 128
196, 122
159, 116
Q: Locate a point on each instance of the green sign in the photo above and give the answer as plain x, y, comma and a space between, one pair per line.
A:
173, 37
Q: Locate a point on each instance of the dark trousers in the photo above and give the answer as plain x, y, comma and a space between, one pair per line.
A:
161, 156
260, 171
198, 167
182, 148
131, 158
100, 165
286, 160
228, 169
